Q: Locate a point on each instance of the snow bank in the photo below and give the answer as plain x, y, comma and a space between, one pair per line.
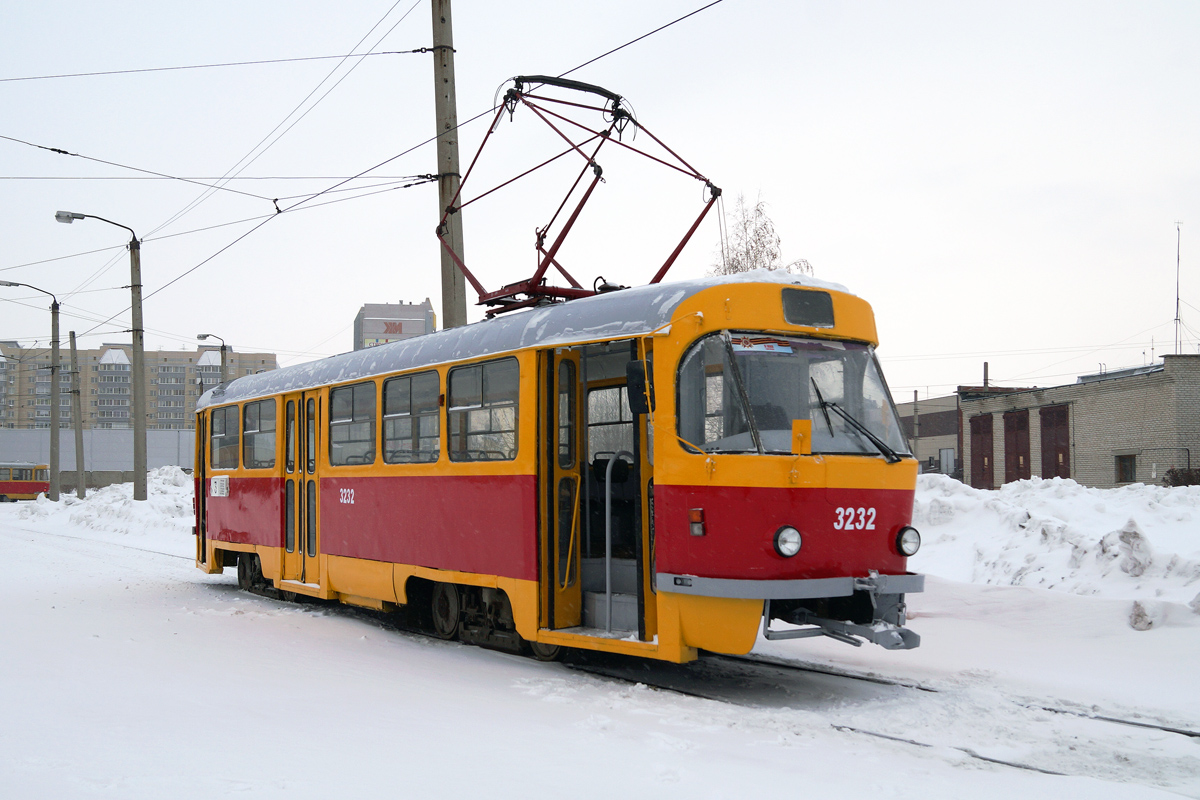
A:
1137, 542
113, 512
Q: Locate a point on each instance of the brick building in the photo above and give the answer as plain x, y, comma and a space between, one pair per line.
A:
1104, 430
174, 380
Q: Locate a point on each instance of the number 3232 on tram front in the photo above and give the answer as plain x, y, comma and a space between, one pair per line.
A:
651, 471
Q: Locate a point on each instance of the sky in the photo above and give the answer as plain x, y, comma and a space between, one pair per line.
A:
1002, 181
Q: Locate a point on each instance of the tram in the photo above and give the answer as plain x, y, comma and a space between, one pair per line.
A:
652, 471
23, 481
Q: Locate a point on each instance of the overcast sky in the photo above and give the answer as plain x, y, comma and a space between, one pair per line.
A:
1000, 180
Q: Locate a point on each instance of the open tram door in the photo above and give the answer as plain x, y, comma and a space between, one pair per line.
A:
301, 489
565, 490
598, 495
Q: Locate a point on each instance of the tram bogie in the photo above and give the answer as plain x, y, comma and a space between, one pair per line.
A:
652, 471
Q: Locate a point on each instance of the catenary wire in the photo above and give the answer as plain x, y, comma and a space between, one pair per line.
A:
156, 174
335, 186
245, 161
211, 66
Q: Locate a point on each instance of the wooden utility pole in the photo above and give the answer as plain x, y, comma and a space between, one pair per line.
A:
454, 285
77, 414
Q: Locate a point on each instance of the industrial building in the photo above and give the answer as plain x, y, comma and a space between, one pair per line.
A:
380, 323
1104, 430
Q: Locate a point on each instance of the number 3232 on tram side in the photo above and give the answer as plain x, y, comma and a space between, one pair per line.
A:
651, 471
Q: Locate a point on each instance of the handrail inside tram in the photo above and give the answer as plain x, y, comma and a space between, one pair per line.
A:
608, 535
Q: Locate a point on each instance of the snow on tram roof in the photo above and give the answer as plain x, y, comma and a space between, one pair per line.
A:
629, 312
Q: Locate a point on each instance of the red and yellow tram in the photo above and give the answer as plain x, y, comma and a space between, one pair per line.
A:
651, 471
23, 481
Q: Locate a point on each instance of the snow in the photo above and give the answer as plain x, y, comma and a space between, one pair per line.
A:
635, 311
128, 673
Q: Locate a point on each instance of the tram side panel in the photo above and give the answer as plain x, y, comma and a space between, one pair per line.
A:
467, 523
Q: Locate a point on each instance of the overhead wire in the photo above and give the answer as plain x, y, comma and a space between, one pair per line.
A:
210, 66
336, 186
156, 174
250, 157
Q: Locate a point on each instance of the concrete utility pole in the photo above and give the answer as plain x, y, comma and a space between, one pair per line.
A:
77, 415
139, 373
916, 425
139, 354
55, 404
454, 285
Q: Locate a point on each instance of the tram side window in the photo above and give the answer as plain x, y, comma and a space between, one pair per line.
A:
43, 474
4, 473
483, 411
225, 438
411, 427
22, 474
352, 425
259, 440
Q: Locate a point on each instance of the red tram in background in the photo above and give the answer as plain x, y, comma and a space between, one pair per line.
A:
651, 471
23, 481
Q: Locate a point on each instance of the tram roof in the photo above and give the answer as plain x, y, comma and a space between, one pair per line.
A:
614, 315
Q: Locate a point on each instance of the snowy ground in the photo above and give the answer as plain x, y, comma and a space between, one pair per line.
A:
127, 673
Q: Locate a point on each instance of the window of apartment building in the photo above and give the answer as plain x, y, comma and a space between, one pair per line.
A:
1126, 468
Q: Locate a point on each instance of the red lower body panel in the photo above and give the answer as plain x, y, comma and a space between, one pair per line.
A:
251, 514
483, 524
845, 532
24, 488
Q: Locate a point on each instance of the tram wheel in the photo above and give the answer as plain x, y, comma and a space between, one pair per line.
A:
245, 572
545, 652
446, 608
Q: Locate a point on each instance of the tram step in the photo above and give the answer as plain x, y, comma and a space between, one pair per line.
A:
624, 611
624, 575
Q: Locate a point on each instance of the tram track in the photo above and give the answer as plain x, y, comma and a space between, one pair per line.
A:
768, 684
733, 680
800, 667
718, 697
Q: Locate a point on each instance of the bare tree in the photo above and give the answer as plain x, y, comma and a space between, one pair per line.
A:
751, 242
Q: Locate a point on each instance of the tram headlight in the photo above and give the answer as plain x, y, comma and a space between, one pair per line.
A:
908, 541
787, 541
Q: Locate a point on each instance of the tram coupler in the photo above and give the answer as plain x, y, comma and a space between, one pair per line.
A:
890, 635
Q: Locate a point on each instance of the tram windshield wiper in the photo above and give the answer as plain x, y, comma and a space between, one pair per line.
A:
888, 453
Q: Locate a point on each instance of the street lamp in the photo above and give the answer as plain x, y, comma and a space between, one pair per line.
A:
54, 399
202, 337
139, 351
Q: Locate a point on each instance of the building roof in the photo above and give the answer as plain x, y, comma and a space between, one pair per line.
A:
613, 315
114, 356
209, 358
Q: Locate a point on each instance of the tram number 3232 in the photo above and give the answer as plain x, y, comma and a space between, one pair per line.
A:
854, 519
347, 496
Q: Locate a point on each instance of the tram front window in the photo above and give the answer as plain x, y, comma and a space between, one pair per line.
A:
781, 379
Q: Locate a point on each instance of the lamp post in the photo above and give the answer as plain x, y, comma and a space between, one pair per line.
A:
139, 353
54, 399
202, 337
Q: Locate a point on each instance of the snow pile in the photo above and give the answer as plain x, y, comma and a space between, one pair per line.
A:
112, 510
1136, 542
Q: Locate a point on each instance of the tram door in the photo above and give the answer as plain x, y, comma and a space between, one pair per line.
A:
307, 491
566, 491
293, 488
